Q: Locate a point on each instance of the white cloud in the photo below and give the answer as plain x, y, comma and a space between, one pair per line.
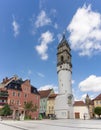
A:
53, 12
56, 26
49, 86
85, 31
92, 83
33, 29
16, 27
29, 72
59, 36
83, 97
73, 81
42, 19
46, 38
41, 3
41, 75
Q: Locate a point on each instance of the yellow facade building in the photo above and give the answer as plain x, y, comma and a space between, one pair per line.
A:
50, 105
97, 101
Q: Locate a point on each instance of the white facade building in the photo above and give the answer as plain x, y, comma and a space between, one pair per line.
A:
64, 100
81, 110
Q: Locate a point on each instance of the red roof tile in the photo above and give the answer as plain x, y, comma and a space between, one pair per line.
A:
45, 93
98, 97
79, 103
53, 95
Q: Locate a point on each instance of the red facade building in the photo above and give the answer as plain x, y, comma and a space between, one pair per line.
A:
19, 93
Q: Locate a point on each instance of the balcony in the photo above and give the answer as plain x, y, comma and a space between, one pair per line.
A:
3, 94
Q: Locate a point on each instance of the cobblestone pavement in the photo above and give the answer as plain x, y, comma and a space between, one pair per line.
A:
51, 125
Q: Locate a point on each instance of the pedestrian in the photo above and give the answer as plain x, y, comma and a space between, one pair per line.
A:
84, 116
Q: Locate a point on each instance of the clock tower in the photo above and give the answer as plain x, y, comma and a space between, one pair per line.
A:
64, 100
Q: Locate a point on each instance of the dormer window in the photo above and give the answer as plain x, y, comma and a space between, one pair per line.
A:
15, 86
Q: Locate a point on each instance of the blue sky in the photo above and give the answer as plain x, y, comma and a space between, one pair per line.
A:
30, 31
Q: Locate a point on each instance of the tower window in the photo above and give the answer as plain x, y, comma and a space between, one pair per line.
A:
61, 66
62, 58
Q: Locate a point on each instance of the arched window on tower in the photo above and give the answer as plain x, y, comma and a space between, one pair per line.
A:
62, 58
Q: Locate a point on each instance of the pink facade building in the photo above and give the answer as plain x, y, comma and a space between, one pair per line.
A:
19, 93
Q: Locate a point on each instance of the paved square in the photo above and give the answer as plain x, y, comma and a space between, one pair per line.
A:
51, 125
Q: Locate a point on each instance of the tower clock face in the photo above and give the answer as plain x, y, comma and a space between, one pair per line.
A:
69, 99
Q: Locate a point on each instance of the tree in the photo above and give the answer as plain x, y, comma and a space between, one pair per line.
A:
97, 110
29, 107
5, 111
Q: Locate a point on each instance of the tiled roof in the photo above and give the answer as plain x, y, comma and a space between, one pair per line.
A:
34, 90
79, 103
98, 97
15, 84
53, 95
7, 80
63, 42
45, 93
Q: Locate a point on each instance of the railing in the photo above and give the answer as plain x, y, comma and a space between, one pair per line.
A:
3, 94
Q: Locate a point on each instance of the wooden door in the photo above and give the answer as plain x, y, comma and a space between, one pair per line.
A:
77, 115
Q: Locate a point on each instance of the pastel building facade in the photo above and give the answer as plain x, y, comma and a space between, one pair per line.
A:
81, 110
19, 93
50, 105
44, 95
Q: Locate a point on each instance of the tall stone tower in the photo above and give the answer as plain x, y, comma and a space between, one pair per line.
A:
64, 100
